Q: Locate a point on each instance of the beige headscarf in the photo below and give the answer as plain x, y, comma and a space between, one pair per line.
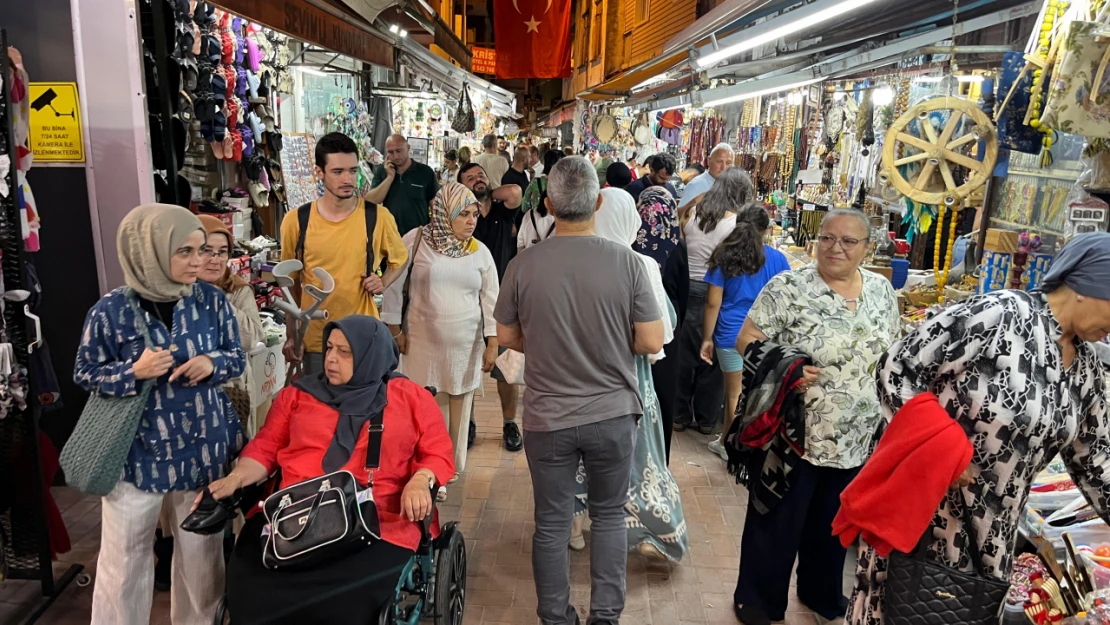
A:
146, 241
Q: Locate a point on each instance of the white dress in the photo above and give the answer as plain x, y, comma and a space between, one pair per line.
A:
450, 314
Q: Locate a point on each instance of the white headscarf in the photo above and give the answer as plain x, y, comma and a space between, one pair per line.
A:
618, 221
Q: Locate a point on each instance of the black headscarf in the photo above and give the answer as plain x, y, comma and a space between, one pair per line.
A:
376, 358
1083, 265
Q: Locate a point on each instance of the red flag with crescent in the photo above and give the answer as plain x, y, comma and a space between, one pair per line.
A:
533, 38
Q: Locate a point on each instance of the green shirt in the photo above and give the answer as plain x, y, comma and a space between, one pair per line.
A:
410, 196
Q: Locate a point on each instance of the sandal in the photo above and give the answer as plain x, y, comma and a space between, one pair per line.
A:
441, 494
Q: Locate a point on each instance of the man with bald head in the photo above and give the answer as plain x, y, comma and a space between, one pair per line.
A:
403, 186
720, 159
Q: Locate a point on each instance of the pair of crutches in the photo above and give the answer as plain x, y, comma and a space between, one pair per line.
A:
296, 319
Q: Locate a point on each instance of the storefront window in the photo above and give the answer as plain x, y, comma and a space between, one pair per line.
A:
319, 95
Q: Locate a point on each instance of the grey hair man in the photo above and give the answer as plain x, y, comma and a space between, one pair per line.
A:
491, 161
720, 159
584, 308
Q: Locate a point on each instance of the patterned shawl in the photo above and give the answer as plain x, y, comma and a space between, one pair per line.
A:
447, 205
659, 233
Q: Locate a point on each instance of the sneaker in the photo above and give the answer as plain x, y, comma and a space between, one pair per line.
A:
471, 434
511, 434
718, 448
578, 543
705, 429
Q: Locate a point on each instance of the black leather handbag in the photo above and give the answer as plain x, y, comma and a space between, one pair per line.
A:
322, 518
922, 592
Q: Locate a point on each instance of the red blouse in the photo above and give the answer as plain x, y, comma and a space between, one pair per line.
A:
299, 429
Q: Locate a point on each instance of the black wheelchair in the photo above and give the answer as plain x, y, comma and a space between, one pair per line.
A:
432, 585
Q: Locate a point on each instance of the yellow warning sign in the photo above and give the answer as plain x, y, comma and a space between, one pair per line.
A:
56, 123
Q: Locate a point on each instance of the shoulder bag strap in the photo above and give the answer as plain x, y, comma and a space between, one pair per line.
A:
973, 540
535, 228
408, 279
140, 317
371, 224
374, 440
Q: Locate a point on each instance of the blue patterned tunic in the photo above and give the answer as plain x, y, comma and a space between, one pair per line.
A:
188, 434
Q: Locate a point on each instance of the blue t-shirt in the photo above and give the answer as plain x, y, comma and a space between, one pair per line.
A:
740, 293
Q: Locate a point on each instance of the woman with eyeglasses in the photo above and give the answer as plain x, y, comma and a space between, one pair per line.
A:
844, 318
187, 436
240, 293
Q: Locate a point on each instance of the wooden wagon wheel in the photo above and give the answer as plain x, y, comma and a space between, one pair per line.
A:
939, 151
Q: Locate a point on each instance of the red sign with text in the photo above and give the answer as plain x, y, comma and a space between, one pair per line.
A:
483, 60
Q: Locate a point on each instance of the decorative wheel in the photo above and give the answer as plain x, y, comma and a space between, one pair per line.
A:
935, 183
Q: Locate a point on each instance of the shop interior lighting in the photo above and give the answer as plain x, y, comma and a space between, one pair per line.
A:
393, 28
882, 96
762, 92
317, 72
650, 81
839, 95
404, 33
787, 29
795, 98
960, 78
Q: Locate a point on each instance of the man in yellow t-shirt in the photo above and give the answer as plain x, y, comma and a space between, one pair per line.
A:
336, 240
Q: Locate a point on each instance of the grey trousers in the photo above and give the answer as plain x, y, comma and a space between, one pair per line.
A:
605, 449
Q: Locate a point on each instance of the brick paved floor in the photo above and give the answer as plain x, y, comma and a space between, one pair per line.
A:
493, 502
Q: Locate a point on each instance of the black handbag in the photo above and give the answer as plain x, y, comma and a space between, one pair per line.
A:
923, 592
322, 518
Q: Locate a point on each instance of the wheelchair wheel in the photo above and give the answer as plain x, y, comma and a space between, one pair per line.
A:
450, 585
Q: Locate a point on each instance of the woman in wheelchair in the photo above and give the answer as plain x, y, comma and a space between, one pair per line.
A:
317, 426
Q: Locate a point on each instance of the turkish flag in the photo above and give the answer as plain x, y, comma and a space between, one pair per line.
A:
533, 38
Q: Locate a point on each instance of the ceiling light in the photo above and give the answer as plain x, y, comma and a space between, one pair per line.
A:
839, 95
404, 33
650, 81
793, 26
762, 92
961, 78
795, 98
393, 28
314, 71
882, 96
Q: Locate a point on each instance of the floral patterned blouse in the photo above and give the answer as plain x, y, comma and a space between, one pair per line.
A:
799, 309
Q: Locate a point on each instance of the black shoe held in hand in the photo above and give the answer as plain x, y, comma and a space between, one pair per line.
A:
211, 515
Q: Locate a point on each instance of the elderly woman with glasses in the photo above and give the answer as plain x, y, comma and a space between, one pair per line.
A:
844, 318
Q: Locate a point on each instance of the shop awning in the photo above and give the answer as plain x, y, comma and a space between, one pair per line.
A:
620, 85
320, 23
451, 79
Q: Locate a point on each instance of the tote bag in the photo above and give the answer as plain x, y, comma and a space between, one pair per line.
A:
1078, 102
94, 455
511, 364
464, 115
922, 592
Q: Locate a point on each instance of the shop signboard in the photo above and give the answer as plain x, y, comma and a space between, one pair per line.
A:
483, 60
301, 20
55, 122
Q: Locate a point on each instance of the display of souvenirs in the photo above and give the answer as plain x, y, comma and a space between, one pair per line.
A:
297, 169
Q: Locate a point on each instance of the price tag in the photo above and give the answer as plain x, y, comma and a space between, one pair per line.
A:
808, 207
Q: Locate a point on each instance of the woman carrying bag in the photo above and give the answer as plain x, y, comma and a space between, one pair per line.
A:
440, 310
160, 349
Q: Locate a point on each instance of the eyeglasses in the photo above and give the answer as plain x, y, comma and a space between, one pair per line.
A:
209, 252
847, 244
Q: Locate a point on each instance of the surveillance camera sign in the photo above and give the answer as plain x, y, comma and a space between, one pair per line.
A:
56, 123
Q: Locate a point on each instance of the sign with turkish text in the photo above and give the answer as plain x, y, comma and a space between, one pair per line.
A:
483, 60
533, 38
56, 123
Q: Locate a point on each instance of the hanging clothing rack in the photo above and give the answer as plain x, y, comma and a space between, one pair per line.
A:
25, 552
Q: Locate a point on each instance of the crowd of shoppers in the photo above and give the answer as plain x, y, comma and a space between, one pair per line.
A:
637, 312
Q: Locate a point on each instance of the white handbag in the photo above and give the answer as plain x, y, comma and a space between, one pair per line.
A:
511, 364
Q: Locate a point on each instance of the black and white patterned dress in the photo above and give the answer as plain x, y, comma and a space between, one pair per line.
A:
995, 364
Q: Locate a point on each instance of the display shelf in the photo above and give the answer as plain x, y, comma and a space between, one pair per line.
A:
1054, 175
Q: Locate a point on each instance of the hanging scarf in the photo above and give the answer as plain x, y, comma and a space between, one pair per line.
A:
228, 282
146, 241
659, 231
364, 395
449, 202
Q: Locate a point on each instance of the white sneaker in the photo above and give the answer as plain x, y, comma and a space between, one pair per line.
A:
716, 447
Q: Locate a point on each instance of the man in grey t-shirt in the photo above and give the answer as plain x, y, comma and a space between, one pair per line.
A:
581, 308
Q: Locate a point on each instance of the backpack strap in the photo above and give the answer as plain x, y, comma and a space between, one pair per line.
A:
371, 223
304, 211
550, 229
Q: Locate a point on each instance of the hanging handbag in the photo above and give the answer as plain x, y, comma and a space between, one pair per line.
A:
1015, 87
1077, 101
922, 592
464, 115
322, 518
95, 453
